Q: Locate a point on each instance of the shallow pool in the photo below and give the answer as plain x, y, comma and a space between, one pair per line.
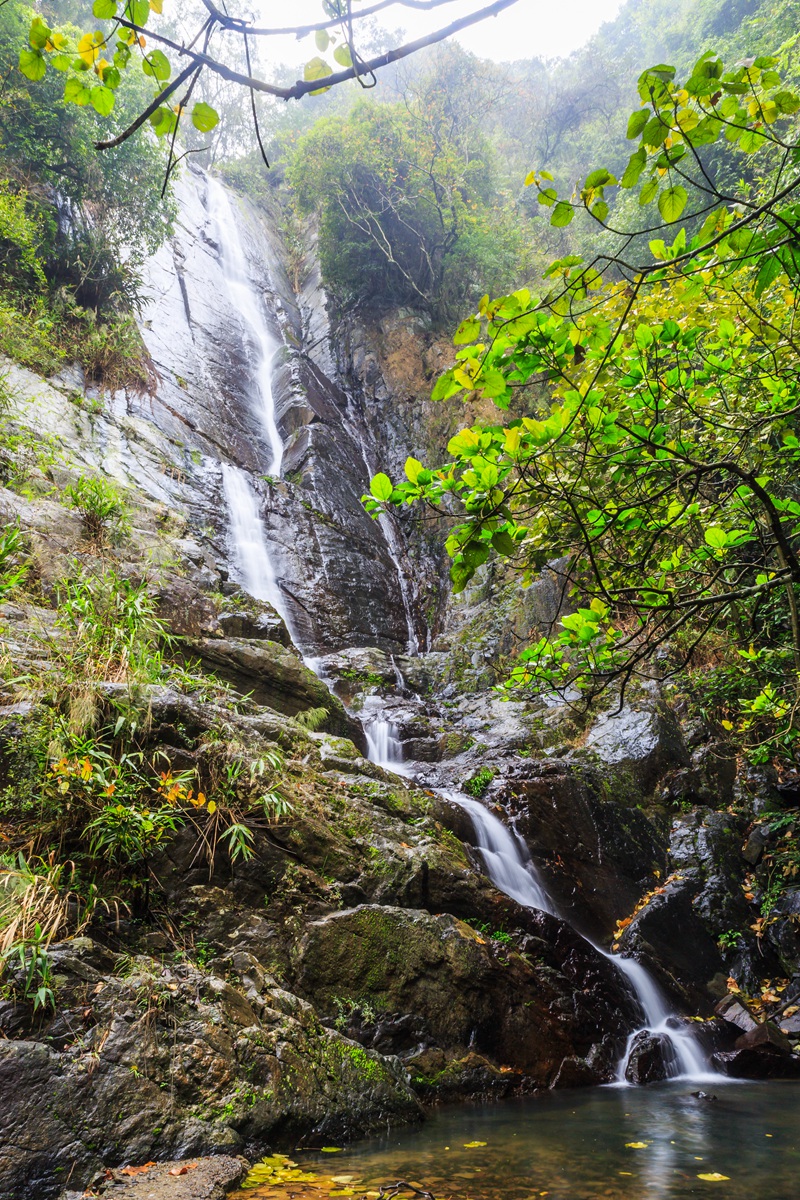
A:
602, 1142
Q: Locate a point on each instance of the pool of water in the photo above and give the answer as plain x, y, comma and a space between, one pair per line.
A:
625, 1143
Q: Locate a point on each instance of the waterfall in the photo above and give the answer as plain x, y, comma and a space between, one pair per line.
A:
249, 542
249, 307
688, 1061
510, 869
383, 744
505, 855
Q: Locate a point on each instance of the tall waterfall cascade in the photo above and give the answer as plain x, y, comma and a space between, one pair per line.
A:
248, 304
504, 854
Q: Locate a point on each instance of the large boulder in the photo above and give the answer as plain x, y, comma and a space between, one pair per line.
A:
596, 852
556, 999
677, 934
651, 1058
642, 741
276, 677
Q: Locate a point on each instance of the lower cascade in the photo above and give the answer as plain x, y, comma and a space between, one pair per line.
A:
511, 870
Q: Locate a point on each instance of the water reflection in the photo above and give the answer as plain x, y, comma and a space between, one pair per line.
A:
604, 1142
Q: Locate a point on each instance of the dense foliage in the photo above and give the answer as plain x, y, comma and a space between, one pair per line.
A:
408, 205
663, 460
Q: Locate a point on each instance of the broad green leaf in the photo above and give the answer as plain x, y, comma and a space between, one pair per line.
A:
716, 537
32, 64
39, 34
672, 202
163, 120
648, 192
316, 68
562, 214
343, 56
157, 65
76, 91
102, 99
503, 543
204, 117
381, 487
322, 39
637, 122
137, 11
104, 10
467, 331
412, 469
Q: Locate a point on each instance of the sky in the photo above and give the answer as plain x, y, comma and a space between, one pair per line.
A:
529, 29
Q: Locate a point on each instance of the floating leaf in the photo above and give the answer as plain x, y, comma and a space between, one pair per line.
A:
332, 1149
637, 1145
471, 1145
713, 1176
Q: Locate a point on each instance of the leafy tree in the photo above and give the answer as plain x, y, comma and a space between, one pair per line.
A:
408, 208
663, 460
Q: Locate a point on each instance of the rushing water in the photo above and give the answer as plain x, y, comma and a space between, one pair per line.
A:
576, 1146
249, 307
509, 866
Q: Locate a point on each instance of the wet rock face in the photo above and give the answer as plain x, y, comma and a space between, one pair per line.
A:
242, 1071
598, 854
277, 678
462, 990
332, 562
645, 741
677, 934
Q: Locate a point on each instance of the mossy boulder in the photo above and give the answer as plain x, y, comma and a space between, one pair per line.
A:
467, 990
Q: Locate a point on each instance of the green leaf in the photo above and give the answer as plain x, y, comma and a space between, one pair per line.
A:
163, 120
672, 202
599, 178
32, 64
467, 331
381, 487
157, 65
716, 537
343, 56
648, 192
39, 33
102, 99
104, 10
137, 11
316, 68
412, 468
637, 122
503, 543
636, 164
322, 39
562, 214
204, 117
76, 92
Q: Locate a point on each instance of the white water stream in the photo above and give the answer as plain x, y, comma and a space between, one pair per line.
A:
509, 866
249, 307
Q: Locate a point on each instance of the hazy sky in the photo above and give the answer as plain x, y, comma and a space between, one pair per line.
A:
530, 28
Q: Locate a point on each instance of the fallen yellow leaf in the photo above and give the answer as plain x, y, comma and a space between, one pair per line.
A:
713, 1177
470, 1145
637, 1145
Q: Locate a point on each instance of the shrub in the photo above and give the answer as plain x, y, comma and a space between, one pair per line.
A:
99, 502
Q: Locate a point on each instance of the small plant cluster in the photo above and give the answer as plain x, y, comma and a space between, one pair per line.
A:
102, 507
478, 784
